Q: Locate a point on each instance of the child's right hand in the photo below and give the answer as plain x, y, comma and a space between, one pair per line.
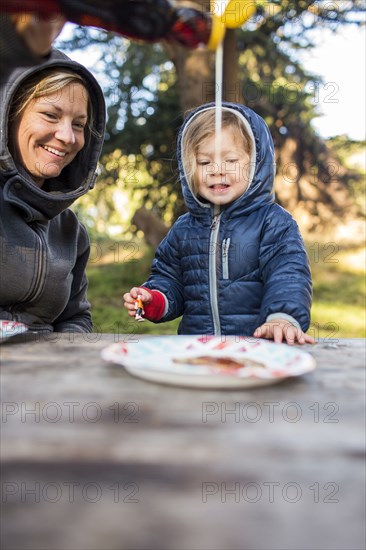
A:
131, 297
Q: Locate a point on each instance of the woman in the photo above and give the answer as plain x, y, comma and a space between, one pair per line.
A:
52, 126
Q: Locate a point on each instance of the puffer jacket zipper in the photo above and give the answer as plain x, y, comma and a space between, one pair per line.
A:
212, 266
225, 258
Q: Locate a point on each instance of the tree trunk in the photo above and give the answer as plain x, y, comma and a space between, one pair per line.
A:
153, 228
195, 71
195, 75
232, 90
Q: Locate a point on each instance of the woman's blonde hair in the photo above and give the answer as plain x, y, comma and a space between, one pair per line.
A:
48, 82
201, 127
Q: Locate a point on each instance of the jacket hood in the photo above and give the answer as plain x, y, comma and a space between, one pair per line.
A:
75, 179
262, 165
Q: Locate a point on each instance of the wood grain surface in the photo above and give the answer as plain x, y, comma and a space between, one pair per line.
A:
93, 458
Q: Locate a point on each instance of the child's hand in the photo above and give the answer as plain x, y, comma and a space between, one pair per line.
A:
131, 297
279, 329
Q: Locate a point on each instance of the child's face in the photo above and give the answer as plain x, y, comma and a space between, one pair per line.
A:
221, 178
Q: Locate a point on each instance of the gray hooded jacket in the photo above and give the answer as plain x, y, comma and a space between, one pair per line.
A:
43, 247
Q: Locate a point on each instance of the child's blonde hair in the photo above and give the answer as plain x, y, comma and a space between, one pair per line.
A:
201, 127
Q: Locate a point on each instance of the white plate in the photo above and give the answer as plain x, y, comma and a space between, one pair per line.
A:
11, 328
168, 360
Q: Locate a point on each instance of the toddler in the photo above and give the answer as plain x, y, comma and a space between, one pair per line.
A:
235, 264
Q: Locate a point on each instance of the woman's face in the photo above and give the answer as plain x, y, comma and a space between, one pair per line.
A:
50, 132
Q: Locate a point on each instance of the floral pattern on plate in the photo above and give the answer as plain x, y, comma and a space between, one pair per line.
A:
11, 328
212, 361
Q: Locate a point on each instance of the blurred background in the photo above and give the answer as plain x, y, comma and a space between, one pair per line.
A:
301, 66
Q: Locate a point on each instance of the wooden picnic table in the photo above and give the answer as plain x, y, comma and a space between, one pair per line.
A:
93, 458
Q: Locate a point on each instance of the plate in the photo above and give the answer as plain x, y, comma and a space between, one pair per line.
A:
8, 329
211, 362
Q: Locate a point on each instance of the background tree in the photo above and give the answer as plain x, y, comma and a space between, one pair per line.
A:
150, 87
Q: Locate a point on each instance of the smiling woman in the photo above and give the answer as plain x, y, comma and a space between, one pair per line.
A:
52, 127
48, 120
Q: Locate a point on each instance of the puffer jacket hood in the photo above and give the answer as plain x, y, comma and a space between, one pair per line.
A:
229, 271
78, 177
262, 166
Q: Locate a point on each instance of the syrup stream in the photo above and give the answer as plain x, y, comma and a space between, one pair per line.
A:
218, 100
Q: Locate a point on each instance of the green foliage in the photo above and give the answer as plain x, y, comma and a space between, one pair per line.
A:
339, 287
116, 267
138, 157
352, 155
277, 88
144, 113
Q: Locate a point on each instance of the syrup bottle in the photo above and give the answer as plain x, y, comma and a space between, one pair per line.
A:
148, 20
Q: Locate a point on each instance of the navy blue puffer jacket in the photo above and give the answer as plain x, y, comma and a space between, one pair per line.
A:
227, 272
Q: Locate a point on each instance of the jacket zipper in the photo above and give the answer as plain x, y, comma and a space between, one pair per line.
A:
212, 266
225, 258
40, 269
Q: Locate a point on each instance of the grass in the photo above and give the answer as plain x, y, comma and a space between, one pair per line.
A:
339, 293
110, 276
338, 277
